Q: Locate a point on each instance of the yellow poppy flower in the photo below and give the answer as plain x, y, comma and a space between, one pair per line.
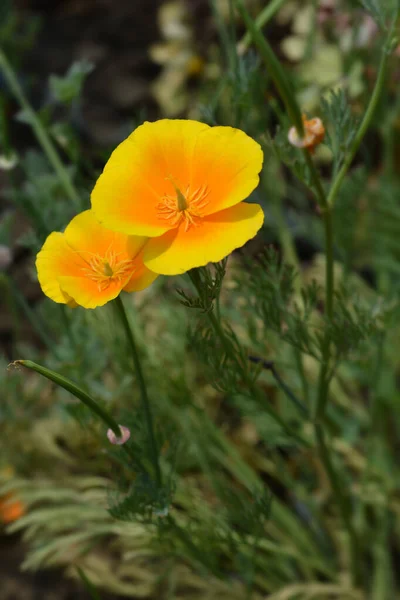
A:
89, 265
182, 184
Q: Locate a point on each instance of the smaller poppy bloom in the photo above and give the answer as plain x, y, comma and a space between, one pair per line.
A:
89, 265
182, 184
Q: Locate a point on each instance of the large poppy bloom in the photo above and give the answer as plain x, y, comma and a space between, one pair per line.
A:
89, 265
182, 184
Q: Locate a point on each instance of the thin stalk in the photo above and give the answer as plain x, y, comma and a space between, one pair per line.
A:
342, 501
75, 390
40, 132
369, 113
274, 68
270, 366
323, 381
142, 385
267, 13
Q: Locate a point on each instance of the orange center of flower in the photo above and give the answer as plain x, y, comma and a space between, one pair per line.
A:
185, 207
108, 269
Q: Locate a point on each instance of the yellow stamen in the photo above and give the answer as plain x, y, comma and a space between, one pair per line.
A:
108, 269
185, 207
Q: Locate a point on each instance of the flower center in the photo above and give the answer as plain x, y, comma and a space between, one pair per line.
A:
185, 207
108, 269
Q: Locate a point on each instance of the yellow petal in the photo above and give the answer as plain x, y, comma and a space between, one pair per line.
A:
215, 237
57, 258
140, 172
85, 234
227, 162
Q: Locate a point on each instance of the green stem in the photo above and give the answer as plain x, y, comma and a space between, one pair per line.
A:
40, 132
268, 365
74, 389
342, 501
376, 94
323, 381
274, 69
142, 385
267, 13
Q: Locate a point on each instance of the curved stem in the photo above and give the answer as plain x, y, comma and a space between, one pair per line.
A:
40, 132
274, 67
267, 13
75, 390
142, 385
369, 113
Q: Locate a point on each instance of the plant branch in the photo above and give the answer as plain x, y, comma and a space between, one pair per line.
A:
369, 113
274, 68
267, 13
75, 390
40, 132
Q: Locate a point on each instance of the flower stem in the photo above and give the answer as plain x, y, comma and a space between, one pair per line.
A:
142, 385
323, 380
274, 68
75, 390
40, 132
267, 13
369, 113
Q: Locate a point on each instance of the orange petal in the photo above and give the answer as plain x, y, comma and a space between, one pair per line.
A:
141, 278
215, 237
138, 175
87, 293
10, 510
57, 258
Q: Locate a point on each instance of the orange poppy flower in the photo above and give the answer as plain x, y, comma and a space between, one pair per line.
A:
10, 509
89, 265
182, 184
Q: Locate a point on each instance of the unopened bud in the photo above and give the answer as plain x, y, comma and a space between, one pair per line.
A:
314, 133
124, 437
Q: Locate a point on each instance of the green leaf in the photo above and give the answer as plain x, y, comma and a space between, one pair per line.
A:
68, 88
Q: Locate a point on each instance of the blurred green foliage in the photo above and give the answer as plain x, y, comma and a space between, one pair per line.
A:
245, 510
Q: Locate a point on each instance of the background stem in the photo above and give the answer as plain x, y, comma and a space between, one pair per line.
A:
40, 132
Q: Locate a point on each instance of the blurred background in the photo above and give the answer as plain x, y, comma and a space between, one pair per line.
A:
93, 70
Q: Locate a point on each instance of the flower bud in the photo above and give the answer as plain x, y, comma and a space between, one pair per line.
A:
125, 435
314, 133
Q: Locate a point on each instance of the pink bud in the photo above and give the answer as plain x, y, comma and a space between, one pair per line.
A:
125, 435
